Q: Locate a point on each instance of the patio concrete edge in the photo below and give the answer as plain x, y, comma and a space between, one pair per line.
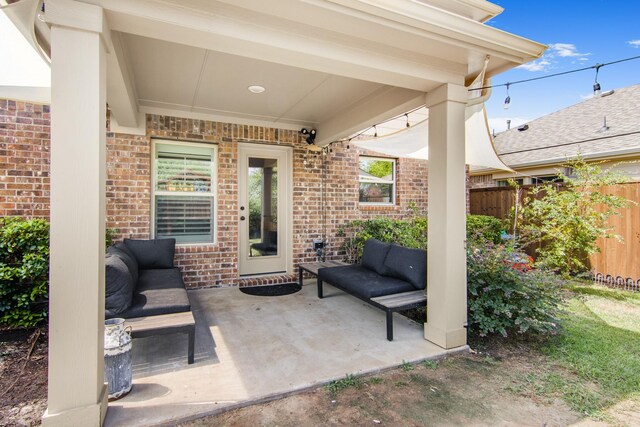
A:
275, 396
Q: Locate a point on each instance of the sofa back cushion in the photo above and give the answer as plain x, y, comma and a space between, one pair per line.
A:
119, 285
155, 253
374, 254
407, 264
127, 256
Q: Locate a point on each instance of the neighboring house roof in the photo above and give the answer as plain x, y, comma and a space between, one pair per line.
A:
578, 129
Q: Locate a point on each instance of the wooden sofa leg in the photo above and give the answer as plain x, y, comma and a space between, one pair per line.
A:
389, 325
319, 288
192, 339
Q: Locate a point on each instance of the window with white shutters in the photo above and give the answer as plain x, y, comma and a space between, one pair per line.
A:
184, 192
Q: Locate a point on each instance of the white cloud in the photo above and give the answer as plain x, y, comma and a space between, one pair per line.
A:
499, 124
566, 50
541, 64
553, 55
634, 43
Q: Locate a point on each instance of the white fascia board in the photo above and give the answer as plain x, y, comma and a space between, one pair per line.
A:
423, 20
379, 106
478, 10
458, 29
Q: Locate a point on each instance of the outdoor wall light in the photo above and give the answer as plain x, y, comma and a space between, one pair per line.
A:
310, 135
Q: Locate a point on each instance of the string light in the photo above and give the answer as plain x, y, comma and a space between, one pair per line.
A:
596, 85
375, 130
507, 100
598, 66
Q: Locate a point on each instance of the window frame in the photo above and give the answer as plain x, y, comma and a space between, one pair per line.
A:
393, 182
213, 193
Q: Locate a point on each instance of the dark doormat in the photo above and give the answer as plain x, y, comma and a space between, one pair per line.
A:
272, 290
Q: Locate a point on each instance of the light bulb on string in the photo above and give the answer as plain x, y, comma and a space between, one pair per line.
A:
596, 86
407, 116
375, 131
507, 100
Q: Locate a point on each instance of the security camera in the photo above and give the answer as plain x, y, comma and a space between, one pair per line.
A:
311, 135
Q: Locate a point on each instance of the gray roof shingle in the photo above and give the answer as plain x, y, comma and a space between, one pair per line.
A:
576, 129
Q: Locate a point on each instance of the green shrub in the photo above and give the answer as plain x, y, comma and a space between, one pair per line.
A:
483, 227
564, 223
503, 298
24, 271
410, 233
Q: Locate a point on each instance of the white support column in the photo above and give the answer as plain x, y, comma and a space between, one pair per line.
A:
77, 393
446, 259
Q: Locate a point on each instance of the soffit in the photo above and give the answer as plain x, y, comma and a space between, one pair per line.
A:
173, 76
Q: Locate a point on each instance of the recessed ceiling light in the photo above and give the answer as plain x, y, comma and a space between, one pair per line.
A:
256, 89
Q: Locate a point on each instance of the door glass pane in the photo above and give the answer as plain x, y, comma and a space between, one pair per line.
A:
263, 207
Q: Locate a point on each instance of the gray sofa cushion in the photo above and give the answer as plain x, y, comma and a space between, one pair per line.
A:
155, 253
407, 264
374, 254
127, 256
362, 282
159, 291
119, 286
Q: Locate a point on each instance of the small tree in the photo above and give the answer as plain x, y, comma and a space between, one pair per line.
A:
564, 221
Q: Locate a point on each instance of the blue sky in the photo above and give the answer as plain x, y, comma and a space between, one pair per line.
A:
580, 34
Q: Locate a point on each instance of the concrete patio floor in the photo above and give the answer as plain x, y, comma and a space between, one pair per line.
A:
251, 349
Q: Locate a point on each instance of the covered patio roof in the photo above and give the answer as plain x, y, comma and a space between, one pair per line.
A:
334, 65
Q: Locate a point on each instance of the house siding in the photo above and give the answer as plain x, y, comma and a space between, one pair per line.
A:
24, 183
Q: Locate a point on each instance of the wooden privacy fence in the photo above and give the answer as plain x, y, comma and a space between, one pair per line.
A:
618, 263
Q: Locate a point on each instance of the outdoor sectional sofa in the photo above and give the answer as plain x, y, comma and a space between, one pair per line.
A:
390, 277
143, 286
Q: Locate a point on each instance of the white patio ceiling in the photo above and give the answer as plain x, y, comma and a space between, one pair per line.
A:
335, 65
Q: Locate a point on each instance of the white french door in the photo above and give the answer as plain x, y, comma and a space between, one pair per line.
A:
264, 215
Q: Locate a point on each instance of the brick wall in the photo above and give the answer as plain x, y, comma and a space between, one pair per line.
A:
481, 181
24, 159
325, 187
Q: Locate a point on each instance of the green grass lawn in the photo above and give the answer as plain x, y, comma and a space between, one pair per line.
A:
600, 347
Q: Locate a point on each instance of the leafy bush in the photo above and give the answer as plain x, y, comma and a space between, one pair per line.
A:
564, 222
502, 298
411, 233
24, 271
484, 227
